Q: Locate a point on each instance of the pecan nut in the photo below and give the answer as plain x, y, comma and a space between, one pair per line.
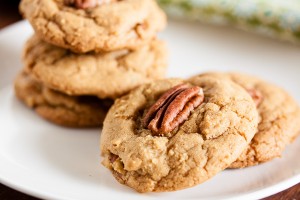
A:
256, 96
113, 158
84, 4
116, 164
172, 108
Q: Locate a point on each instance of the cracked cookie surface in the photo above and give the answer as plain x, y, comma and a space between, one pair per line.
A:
61, 109
106, 75
112, 26
213, 136
279, 120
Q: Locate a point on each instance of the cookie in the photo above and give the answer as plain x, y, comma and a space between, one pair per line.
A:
279, 119
61, 109
106, 75
110, 26
172, 134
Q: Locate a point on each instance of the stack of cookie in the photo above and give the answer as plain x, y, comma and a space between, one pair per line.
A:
173, 134
86, 53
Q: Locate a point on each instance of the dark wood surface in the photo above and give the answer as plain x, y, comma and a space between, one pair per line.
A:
8, 15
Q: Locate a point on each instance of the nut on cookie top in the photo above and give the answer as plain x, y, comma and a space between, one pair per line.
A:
173, 134
172, 108
86, 4
93, 25
279, 118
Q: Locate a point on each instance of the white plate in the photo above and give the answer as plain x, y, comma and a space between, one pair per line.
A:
52, 162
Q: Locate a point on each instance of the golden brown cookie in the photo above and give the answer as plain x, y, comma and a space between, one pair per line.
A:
174, 134
110, 26
106, 75
279, 119
61, 109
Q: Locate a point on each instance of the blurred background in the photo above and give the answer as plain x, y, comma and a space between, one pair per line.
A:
273, 18
9, 12
278, 19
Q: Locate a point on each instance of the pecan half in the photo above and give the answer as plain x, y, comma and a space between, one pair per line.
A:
172, 108
84, 4
116, 164
256, 96
112, 158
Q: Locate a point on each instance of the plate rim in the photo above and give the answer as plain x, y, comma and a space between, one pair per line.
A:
255, 194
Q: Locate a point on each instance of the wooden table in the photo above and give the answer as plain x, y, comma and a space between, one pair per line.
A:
8, 15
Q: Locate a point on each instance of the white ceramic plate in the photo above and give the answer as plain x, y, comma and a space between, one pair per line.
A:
52, 162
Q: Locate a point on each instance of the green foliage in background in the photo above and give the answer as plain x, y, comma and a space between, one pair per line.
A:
275, 18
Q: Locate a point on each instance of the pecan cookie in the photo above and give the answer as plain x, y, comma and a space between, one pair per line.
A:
61, 109
106, 75
93, 25
279, 119
173, 134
